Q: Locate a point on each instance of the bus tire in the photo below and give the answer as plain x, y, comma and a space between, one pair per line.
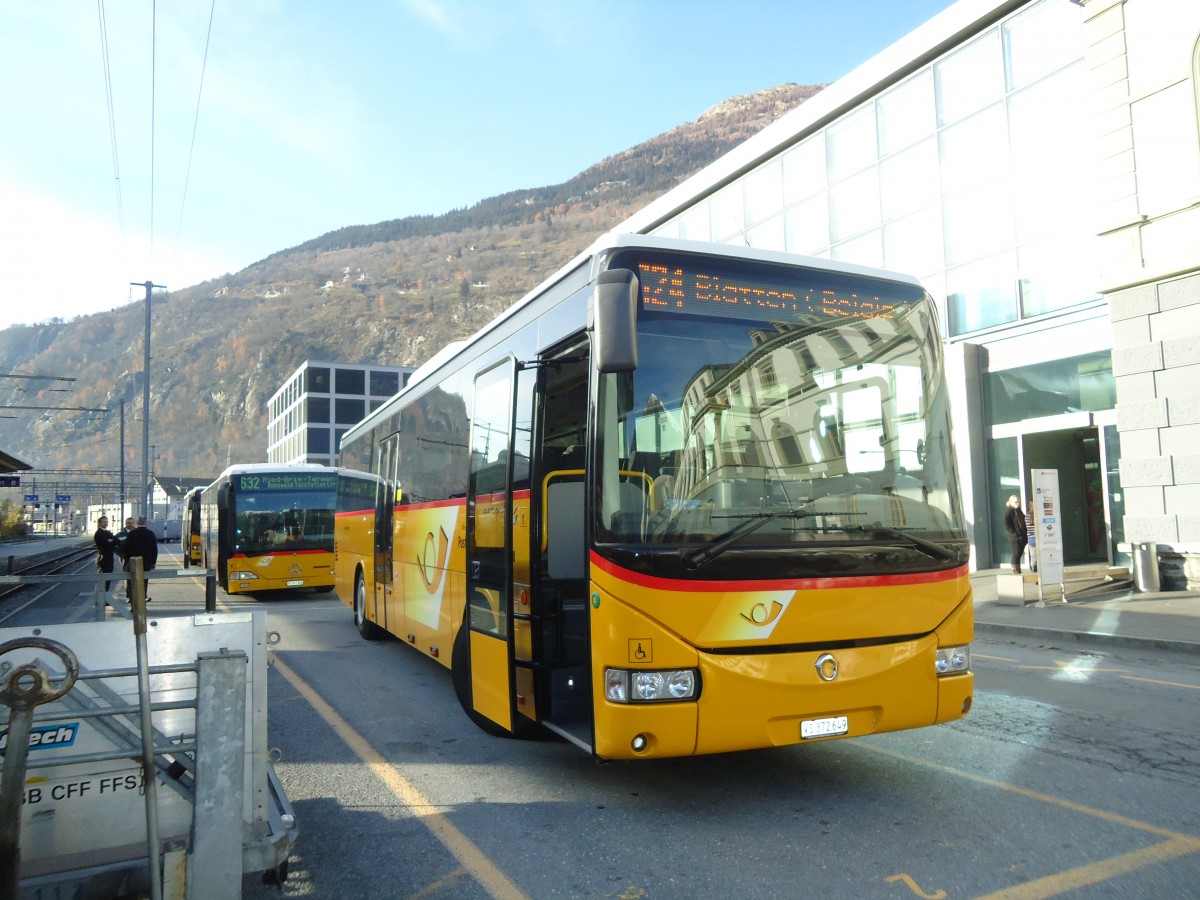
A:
368, 629
460, 672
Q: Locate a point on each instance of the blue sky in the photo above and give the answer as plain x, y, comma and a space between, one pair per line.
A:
311, 116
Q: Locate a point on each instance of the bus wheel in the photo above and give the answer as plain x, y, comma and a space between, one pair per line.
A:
460, 673
368, 629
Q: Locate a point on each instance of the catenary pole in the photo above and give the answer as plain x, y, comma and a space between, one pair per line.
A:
145, 498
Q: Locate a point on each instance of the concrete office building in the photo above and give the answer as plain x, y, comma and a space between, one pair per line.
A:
319, 402
1036, 165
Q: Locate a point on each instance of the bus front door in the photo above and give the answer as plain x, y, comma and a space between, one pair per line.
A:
383, 612
483, 646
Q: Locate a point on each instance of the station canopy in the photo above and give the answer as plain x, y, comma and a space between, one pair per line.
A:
12, 464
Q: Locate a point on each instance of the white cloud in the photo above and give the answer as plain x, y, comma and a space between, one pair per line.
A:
522, 22
442, 15
61, 263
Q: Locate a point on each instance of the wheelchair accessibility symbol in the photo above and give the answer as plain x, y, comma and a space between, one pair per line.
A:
641, 650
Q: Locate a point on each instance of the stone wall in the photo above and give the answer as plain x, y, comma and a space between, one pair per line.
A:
1141, 60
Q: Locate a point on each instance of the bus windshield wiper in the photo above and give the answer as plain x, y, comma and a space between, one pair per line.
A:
929, 548
694, 559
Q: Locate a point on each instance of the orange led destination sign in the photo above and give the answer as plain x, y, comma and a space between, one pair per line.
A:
768, 295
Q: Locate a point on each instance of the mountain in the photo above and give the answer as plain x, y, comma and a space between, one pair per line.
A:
393, 293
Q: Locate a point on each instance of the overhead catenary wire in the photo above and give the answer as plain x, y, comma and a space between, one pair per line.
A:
153, 58
112, 118
195, 120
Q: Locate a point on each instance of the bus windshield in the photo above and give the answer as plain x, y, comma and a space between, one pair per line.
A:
779, 426
274, 521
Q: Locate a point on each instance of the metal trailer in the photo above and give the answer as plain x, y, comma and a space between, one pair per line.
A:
91, 824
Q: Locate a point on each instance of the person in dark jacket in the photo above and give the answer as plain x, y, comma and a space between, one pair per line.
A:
1018, 534
142, 542
120, 536
106, 546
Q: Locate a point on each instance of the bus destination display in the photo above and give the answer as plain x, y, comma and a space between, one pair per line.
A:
705, 291
275, 481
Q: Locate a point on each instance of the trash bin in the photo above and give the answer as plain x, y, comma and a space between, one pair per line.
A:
1145, 567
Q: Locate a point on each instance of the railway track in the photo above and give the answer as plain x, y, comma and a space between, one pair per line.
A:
62, 560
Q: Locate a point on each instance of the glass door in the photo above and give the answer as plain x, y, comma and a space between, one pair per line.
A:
489, 543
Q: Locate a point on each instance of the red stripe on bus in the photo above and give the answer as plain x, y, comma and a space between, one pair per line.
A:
777, 584
498, 496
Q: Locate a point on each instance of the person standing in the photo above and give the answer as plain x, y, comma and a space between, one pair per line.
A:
142, 542
106, 546
1018, 534
120, 537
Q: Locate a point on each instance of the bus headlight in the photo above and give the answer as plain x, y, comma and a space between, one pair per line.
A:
650, 686
953, 660
241, 576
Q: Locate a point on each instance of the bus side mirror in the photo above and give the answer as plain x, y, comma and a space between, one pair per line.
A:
614, 320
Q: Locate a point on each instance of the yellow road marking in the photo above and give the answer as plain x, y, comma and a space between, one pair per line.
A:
1072, 879
443, 883
914, 887
1063, 666
489, 877
1117, 673
1086, 670
1178, 684
1175, 846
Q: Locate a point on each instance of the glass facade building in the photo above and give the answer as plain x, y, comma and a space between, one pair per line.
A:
983, 153
319, 402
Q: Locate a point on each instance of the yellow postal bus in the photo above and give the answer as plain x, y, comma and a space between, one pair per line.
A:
269, 527
680, 499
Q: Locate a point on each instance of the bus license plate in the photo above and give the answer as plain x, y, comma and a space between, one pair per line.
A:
813, 728
299, 583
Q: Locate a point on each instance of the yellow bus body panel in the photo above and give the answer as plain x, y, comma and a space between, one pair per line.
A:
427, 590
352, 554
758, 699
490, 695
281, 571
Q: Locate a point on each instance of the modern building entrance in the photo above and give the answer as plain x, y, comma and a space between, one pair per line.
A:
1082, 447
